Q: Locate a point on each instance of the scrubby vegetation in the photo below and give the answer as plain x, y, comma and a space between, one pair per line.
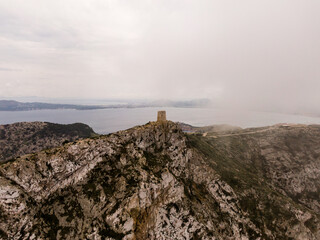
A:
24, 138
244, 169
155, 182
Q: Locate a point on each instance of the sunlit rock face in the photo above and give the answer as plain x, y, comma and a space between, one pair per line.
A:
155, 182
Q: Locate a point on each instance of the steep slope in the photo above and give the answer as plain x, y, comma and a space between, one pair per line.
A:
149, 182
28, 137
288, 156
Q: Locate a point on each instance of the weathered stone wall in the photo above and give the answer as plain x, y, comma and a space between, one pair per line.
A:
162, 116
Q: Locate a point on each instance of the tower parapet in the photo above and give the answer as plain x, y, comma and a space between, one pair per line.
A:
162, 116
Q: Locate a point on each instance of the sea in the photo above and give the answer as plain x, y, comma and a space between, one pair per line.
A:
105, 121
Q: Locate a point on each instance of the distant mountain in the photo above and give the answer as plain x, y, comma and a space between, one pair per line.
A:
11, 105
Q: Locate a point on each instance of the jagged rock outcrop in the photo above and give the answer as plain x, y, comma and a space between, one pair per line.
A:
28, 137
148, 182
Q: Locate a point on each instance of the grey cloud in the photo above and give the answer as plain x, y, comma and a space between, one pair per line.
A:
255, 54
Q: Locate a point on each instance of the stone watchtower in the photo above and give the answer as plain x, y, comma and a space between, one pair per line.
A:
161, 116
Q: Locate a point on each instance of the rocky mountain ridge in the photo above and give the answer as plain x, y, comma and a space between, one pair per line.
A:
28, 137
155, 182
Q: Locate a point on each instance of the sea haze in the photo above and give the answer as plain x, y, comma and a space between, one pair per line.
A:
111, 120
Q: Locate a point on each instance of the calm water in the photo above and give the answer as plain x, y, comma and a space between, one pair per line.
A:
111, 120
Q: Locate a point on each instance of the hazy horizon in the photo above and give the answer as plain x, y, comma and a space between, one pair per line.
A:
261, 55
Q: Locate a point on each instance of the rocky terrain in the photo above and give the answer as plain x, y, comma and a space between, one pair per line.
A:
156, 182
28, 137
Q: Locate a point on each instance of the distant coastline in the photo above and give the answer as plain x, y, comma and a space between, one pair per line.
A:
12, 105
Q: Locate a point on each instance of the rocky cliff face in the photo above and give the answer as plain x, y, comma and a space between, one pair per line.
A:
28, 137
155, 182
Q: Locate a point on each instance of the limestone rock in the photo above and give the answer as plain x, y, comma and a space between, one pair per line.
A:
155, 182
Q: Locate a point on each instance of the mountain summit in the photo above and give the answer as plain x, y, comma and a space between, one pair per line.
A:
156, 182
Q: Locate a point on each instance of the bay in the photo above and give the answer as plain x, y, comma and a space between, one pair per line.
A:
110, 120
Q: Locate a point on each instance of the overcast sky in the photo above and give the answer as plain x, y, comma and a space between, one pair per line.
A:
243, 53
